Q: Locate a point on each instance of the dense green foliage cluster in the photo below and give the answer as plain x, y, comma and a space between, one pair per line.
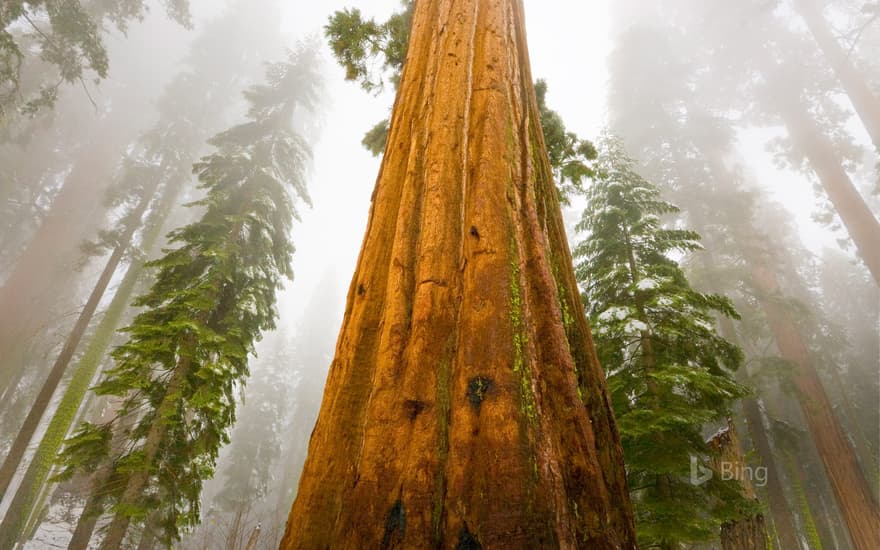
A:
213, 297
669, 372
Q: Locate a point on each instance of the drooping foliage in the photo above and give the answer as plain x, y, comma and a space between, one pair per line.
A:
669, 372
213, 297
66, 35
150, 180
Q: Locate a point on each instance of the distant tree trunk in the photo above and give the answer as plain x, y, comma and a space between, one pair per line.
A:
148, 537
452, 415
856, 430
85, 527
779, 507
866, 103
37, 473
854, 497
254, 538
826, 519
747, 533
44, 397
860, 222
41, 279
783, 521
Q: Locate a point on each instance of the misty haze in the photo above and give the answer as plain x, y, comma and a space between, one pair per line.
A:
514, 274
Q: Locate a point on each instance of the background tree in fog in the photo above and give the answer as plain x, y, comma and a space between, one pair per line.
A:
667, 113
65, 35
214, 295
150, 183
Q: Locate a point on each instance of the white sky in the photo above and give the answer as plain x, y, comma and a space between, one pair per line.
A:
569, 41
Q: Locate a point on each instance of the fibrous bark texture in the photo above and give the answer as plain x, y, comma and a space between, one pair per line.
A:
465, 407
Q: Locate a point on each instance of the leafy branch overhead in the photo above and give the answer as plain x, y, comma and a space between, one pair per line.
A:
373, 54
65, 35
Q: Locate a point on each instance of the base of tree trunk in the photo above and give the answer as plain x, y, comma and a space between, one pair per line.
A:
747, 534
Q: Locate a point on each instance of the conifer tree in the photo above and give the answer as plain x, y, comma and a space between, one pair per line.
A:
669, 372
156, 171
213, 297
65, 34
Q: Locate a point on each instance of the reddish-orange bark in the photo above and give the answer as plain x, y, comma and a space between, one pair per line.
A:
857, 504
452, 415
748, 533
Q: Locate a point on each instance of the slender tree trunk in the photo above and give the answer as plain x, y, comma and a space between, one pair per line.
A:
866, 103
451, 416
44, 397
253, 539
37, 473
85, 527
155, 438
748, 533
779, 507
860, 222
40, 281
148, 537
780, 511
851, 490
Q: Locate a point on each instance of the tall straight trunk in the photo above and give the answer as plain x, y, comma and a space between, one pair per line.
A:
860, 222
44, 397
88, 519
780, 511
452, 415
866, 103
854, 497
38, 471
748, 533
40, 283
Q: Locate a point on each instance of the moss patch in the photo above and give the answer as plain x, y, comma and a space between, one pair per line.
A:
467, 540
477, 390
395, 525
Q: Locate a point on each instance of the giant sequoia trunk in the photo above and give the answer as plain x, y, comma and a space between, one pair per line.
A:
39, 286
866, 103
465, 407
854, 497
860, 222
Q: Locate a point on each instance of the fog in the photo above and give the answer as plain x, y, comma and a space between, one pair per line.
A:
765, 138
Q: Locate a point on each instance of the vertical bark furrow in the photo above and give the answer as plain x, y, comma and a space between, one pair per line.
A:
459, 417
